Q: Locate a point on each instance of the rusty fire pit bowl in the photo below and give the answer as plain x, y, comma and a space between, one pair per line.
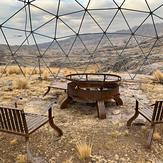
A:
91, 87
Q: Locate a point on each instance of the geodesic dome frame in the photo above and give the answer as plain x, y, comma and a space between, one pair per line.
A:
33, 33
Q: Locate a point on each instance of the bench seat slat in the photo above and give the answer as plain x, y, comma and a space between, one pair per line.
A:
16, 121
8, 119
147, 112
11, 118
20, 119
3, 120
35, 121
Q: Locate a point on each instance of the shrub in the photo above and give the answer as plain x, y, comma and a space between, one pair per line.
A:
45, 75
2, 70
21, 84
13, 70
84, 150
31, 71
158, 75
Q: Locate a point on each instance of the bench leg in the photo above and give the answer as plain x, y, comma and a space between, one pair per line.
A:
47, 91
51, 122
29, 154
118, 101
150, 136
134, 116
59, 131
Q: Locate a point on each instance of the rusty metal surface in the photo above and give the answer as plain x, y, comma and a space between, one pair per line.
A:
91, 87
89, 94
94, 78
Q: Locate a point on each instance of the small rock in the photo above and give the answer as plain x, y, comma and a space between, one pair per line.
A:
116, 157
116, 112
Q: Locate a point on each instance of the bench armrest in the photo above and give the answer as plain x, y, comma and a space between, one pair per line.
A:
49, 108
138, 103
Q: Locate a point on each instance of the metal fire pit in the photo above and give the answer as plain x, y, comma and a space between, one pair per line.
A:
91, 87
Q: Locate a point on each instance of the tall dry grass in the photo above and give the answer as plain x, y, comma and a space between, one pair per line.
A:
3, 70
31, 71
45, 75
21, 83
158, 76
84, 150
16, 70
13, 70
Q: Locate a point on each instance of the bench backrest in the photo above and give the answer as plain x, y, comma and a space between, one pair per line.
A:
158, 112
12, 120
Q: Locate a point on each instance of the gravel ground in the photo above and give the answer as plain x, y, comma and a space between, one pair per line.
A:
112, 141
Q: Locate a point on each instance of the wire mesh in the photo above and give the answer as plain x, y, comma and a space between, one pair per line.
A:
60, 34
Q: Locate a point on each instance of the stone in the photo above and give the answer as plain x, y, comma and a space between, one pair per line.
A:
116, 157
116, 112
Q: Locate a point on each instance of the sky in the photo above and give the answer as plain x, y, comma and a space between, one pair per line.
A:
102, 17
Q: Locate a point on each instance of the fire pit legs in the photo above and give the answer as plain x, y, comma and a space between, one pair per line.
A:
118, 100
65, 102
101, 109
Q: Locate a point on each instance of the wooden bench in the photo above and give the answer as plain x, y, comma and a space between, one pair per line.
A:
16, 121
56, 85
153, 113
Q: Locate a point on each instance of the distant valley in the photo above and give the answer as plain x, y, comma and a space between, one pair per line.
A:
118, 52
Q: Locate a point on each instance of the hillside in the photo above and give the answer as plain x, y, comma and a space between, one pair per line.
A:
108, 54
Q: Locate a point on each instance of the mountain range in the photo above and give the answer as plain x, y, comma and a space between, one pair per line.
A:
115, 51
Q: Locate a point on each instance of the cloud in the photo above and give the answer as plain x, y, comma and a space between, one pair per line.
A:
103, 17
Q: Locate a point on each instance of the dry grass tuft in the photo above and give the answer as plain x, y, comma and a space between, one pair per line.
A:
84, 150
14, 141
115, 134
156, 136
13, 70
158, 75
27, 71
45, 75
3, 70
21, 84
31, 71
